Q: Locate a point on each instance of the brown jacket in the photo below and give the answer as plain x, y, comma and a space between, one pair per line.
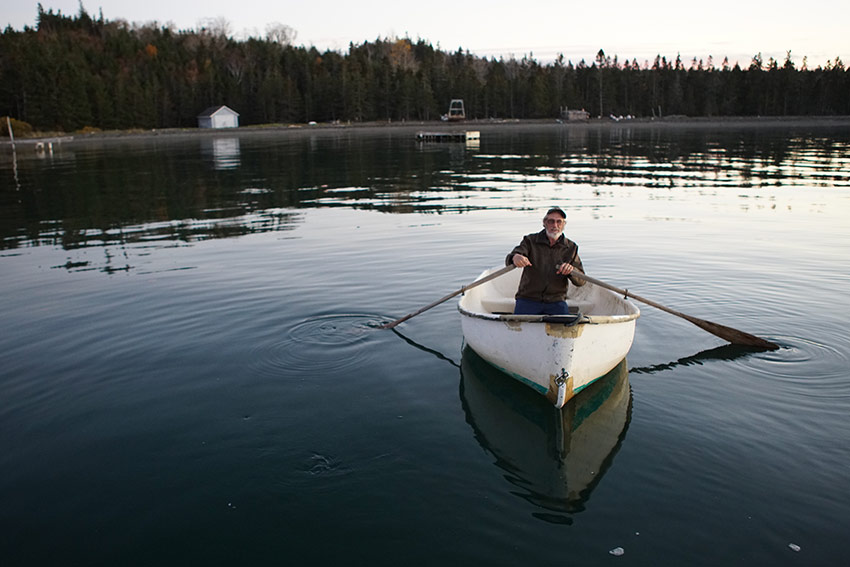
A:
539, 281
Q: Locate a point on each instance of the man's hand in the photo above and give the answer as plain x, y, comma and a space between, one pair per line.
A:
521, 261
562, 269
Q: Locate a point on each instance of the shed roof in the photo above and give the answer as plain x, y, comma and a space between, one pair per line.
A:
216, 109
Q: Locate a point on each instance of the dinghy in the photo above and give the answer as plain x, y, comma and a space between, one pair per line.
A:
557, 355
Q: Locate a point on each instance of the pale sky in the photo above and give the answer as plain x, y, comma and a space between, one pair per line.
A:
736, 29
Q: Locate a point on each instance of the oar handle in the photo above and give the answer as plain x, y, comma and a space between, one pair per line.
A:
476, 283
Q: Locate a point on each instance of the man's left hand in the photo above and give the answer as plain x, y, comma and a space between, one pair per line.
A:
564, 269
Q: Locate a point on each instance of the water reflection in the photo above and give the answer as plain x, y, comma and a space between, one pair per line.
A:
224, 151
723, 352
168, 185
661, 159
551, 458
178, 230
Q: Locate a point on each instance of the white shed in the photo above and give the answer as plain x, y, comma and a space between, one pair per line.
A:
218, 117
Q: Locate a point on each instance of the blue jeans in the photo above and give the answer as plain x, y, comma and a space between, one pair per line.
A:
531, 307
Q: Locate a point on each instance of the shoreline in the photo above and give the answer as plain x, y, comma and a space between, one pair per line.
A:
440, 126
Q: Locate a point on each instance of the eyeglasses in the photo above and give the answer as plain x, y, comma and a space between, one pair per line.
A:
554, 221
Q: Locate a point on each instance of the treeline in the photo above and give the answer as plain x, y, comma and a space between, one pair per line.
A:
69, 73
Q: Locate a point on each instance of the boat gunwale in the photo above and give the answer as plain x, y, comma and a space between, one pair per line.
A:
550, 319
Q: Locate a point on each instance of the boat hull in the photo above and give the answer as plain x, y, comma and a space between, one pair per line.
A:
558, 357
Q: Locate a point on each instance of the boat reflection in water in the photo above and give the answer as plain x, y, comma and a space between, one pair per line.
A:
553, 457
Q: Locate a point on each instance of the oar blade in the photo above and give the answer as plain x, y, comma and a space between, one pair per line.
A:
734, 336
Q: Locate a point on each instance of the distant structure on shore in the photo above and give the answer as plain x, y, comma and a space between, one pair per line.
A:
456, 111
218, 117
570, 115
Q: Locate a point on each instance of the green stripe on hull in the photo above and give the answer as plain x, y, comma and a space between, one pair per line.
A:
537, 386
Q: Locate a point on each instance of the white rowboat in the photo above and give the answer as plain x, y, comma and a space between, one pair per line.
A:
556, 355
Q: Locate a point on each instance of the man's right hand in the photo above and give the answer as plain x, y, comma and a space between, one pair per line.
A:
521, 261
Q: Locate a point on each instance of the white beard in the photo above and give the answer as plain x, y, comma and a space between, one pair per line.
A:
554, 234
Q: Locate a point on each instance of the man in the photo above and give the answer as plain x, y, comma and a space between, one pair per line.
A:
547, 259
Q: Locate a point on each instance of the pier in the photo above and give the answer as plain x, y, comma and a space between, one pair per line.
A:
465, 136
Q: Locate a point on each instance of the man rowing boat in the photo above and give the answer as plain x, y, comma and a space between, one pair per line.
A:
547, 258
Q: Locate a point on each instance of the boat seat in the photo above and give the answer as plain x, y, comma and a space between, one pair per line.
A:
498, 306
504, 306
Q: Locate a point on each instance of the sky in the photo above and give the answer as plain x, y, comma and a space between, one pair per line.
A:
542, 29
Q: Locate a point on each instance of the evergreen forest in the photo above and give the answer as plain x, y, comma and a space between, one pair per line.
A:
77, 72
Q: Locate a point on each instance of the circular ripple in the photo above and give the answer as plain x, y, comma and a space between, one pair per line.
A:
337, 329
797, 351
820, 369
319, 344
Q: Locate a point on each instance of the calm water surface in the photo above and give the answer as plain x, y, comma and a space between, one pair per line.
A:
191, 371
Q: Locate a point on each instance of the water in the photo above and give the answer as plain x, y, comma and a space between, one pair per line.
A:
191, 371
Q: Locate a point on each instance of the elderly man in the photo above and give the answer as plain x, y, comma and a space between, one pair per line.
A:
547, 258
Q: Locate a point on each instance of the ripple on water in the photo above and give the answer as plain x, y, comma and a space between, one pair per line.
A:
820, 370
316, 344
318, 464
305, 469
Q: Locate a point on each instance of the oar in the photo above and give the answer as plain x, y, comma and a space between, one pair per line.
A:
485, 279
734, 336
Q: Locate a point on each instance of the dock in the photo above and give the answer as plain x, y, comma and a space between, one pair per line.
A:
465, 136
